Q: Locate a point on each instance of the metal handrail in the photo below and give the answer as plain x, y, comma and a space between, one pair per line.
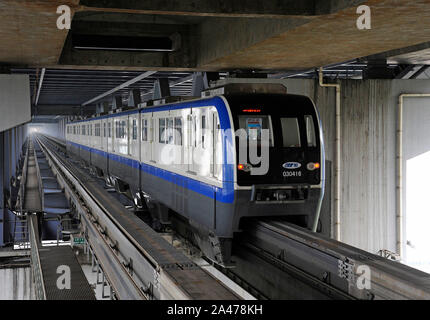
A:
39, 179
21, 192
35, 261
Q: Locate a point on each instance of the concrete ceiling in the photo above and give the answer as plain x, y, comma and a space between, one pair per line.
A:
28, 32
330, 39
212, 35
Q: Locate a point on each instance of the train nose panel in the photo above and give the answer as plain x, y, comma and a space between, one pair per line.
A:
280, 195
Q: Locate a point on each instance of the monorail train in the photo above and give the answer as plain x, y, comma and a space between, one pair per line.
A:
184, 159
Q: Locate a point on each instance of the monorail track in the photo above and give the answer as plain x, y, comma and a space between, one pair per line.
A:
284, 261
277, 260
137, 262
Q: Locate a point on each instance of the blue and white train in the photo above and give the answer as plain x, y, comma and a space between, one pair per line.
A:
182, 159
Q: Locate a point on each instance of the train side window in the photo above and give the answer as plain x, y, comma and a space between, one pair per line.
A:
144, 129
134, 129
104, 129
152, 130
290, 132
203, 131
83, 130
123, 132
162, 130
178, 131
310, 131
170, 136
97, 130
195, 131
109, 130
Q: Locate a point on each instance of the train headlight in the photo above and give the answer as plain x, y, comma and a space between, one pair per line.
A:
313, 166
244, 167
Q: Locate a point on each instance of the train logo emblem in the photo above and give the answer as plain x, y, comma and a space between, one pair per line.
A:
291, 165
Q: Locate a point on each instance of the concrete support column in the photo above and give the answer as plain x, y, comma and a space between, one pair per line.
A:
134, 98
161, 89
12, 151
17, 149
198, 84
62, 132
201, 81
116, 102
20, 138
2, 169
6, 158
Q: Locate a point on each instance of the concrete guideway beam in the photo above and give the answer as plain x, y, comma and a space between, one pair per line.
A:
219, 8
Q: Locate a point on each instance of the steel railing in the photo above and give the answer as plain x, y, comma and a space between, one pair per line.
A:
36, 267
21, 192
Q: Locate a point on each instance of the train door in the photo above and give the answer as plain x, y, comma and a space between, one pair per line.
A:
176, 133
101, 141
114, 133
187, 140
109, 135
125, 130
202, 143
151, 138
216, 154
133, 136
131, 123
192, 141
147, 137
105, 142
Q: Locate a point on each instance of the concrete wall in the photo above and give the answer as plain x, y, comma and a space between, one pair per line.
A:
15, 284
11, 142
369, 113
15, 106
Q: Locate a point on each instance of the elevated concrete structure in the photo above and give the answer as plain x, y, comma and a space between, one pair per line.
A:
287, 35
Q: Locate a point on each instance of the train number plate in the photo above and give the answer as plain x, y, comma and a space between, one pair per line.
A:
287, 174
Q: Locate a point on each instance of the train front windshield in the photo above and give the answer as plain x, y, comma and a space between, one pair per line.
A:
290, 124
254, 124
